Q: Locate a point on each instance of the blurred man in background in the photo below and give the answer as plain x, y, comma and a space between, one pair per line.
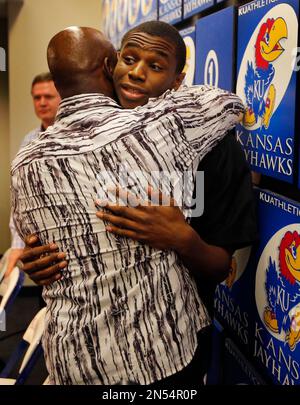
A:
45, 101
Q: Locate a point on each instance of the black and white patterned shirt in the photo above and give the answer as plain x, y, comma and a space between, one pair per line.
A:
16, 241
122, 311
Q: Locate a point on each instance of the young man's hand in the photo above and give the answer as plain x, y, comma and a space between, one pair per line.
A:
164, 227
157, 225
42, 263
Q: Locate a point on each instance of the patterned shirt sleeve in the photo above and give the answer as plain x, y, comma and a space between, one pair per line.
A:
208, 113
16, 241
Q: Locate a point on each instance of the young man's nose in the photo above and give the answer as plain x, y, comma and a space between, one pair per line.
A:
137, 72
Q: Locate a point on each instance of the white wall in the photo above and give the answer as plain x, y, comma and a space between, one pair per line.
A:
30, 29
4, 148
31, 26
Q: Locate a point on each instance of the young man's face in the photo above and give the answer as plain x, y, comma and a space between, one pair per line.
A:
146, 68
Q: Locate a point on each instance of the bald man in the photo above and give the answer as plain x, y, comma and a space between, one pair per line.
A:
118, 314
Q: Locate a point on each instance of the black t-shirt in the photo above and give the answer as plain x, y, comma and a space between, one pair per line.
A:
229, 217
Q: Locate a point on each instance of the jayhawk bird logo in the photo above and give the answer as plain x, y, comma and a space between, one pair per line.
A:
260, 93
284, 315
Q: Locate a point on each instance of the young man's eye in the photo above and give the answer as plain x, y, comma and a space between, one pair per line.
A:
129, 60
156, 68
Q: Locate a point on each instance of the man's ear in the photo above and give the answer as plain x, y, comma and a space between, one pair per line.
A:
178, 81
110, 64
108, 68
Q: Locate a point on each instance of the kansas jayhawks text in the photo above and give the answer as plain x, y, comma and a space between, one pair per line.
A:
255, 143
282, 365
231, 312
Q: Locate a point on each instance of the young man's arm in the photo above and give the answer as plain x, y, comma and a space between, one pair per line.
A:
207, 114
228, 222
164, 227
152, 226
157, 226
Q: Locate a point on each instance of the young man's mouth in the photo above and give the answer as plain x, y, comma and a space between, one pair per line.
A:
132, 92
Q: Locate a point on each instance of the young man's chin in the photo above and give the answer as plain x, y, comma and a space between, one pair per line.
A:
133, 103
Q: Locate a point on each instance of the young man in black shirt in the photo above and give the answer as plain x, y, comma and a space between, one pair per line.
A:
228, 223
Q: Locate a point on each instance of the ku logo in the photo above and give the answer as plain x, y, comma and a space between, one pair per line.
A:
260, 92
280, 311
266, 66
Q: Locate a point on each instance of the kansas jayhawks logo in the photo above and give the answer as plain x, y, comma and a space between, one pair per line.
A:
266, 65
260, 93
282, 286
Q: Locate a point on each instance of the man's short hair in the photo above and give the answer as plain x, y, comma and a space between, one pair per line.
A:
166, 31
41, 78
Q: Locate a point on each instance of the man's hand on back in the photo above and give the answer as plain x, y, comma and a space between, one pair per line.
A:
163, 226
42, 263
158, 225
158, 222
